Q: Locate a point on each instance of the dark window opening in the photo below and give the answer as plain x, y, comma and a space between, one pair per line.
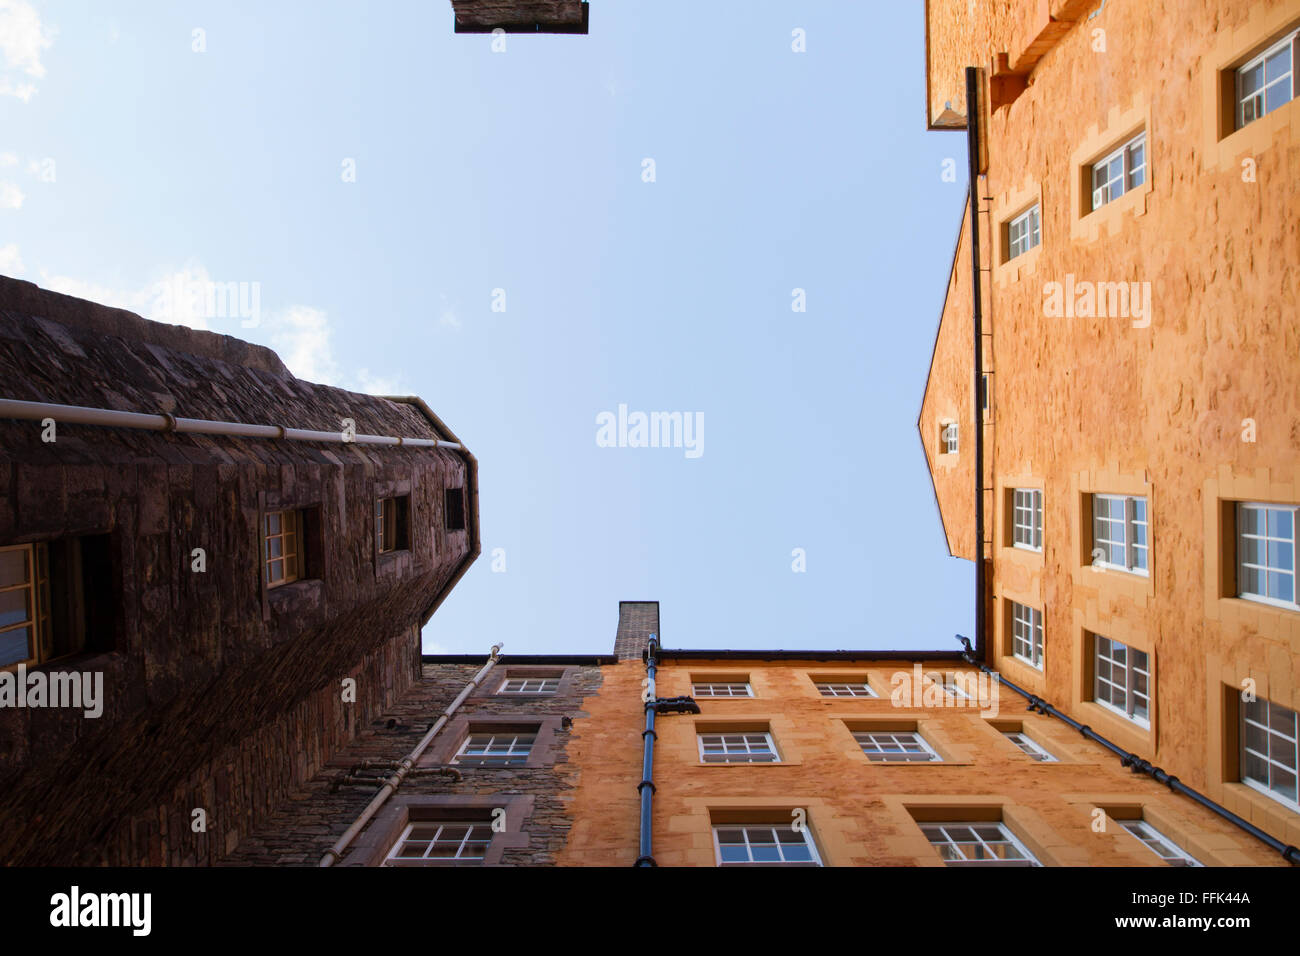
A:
391, 524
56, 599
455, 510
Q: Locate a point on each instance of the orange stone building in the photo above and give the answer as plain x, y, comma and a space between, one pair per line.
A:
1138, 179
843, 758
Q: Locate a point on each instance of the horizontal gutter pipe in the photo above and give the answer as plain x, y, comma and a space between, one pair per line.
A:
1135, 763
335, 853
164, 422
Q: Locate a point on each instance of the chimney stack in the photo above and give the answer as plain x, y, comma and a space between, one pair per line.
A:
637, 620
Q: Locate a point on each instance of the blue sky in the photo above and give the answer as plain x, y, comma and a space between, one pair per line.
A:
127, 157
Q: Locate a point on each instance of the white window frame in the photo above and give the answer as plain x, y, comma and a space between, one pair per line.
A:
950, 435
1265, 540
1027, 504
740, 738
713, 688
1128, 543
1006, 837
834, 688
1131, 176
458, 860
950, 686
1029, 746
897, 741
1131, 672
1291, 41
1024, 232
1027, 632
1150, 837
1276, 738
516, 754
547, 685
805, 833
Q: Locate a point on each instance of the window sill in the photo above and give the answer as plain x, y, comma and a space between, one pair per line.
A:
296, 597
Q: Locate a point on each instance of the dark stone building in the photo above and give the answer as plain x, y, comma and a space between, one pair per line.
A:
521, 16
248, 598
492, 787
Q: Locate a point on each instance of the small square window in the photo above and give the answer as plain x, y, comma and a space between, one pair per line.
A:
948, 439
282, 547
1159, 844
1119, 172
895, 746
1120, 535
442, 843
1267, 81
501, 749
845, 689
722, 689
1122, 679
1270, 755
529, 685
976, 843
1023, 232
1029, 747
754, 747
1027, 634
1027, 519
391, 524
1266, 546
764, 845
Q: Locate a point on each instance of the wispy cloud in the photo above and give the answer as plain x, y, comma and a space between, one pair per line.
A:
11, 197
11, 263
22, 40
302, 335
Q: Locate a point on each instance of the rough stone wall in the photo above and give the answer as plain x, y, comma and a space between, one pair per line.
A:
211, 701
315, 815
543, 16
1098, 403
859, 811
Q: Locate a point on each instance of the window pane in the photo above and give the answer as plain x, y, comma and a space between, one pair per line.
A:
13, 646
13, 568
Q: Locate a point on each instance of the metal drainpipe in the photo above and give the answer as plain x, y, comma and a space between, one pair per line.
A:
646, 788
1135, 763
83, 415
335, 853
973, 158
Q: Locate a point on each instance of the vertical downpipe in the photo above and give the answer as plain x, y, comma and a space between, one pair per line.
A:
646, 787
973, 151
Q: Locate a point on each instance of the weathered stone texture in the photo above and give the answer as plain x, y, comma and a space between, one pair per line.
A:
317, 813
218, 696
522, 16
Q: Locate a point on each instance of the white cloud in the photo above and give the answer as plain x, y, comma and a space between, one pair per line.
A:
11, 264
22, 40
301, 335
449, 317
8, 159
11, 197
378, 384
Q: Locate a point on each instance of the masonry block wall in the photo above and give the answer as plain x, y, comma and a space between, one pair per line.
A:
219, 693
1194, 406
862, 813
536, 796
